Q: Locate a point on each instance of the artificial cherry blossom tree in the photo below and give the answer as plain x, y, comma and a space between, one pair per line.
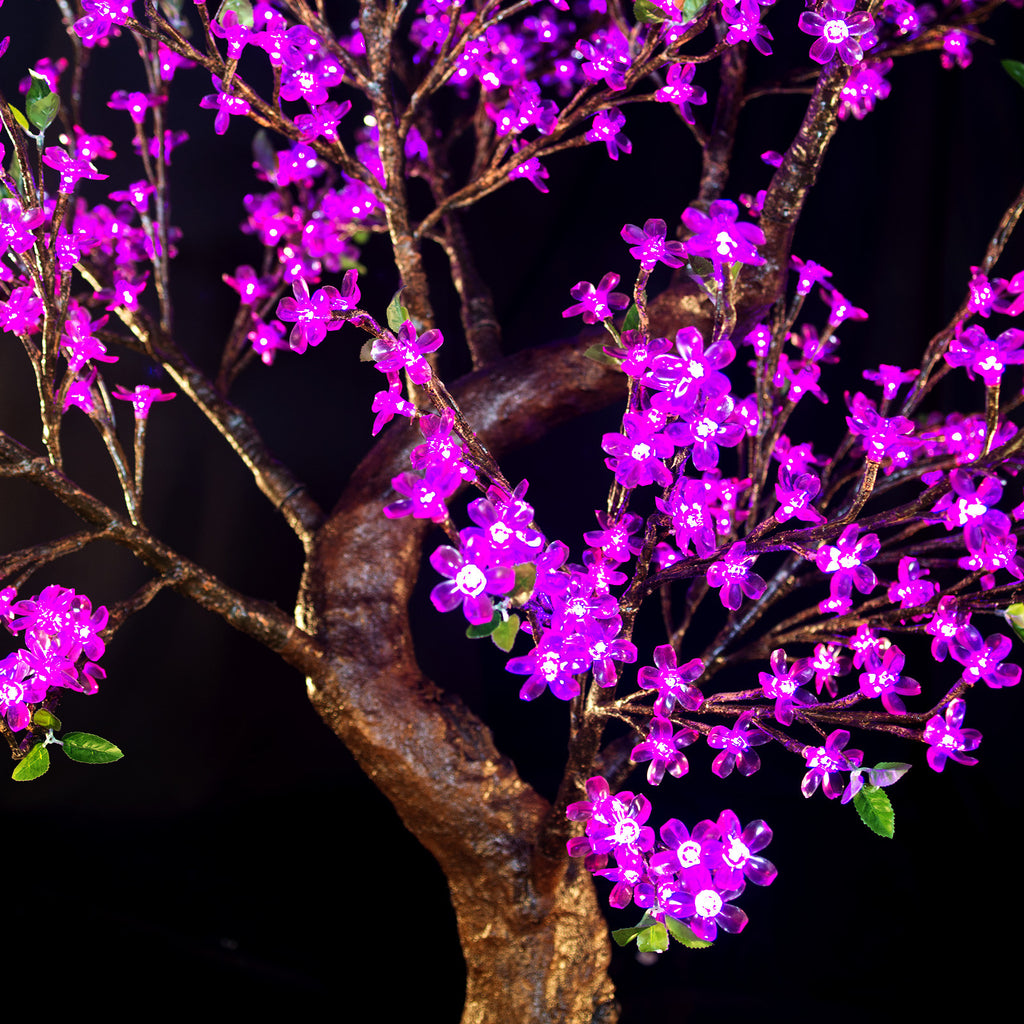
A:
793, 586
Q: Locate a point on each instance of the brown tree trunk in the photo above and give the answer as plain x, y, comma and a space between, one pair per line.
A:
534, 938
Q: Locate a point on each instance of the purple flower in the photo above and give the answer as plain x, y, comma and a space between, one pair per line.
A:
733, 859
988, 357
828, 662
424, 496
703, 906
226, 106
865, 86
911, 589
983, 659
672, 682
883, 678
142, 396
847, 557
711, 424
947, 740
662, 748
944, 625
718, 237
649, 245
621, 826
136, 103
826, 764
470, 581
680, 90
735, 745
406, 351
313, 316
553, 664
596, 304
836, 31
786, 685
890, 378
71, 168
735, 577
607, 128
637, 452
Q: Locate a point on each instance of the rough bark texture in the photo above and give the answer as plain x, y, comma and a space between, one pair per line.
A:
533, 935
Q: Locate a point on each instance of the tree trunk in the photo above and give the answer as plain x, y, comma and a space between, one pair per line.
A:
534, 938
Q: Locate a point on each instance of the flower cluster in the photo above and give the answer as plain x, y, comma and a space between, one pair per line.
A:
691, 877
62, 649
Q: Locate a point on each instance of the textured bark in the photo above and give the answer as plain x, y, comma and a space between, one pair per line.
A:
534, 938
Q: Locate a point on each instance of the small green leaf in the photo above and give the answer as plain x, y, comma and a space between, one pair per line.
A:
397, 313
32, 765
681, 933
1015, 69
526, 577
647, 13
875, 810
505, 635
46, 719
653, 939
690, 9
631, 321
485, 628
598, 354
263, 152
698, 266
20, 118
41, 104
624, 936
242, 9
885, 773
1014, 615
90, 749
366, 352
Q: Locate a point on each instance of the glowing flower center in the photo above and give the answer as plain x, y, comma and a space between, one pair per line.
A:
689, 854
471, 580
737, 852
641, 451
835, 31
708, 903
627, 831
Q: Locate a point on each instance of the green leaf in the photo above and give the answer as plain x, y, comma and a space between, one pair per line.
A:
598, 354
698, 266
20, 118
242, 8
41, 104
653, 939
1014, 615
885, 773
90, 749
33, 764
397, 313
631, 321
366, 352
647, 13
689, 10
1015, 69
46, 719
624, 936
875, 810
505, 635
484, 629
526, 577
263, 152
681, 933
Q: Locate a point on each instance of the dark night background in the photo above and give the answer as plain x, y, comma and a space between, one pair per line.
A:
239, 856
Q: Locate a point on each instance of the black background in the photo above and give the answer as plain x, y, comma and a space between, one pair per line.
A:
238, 856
